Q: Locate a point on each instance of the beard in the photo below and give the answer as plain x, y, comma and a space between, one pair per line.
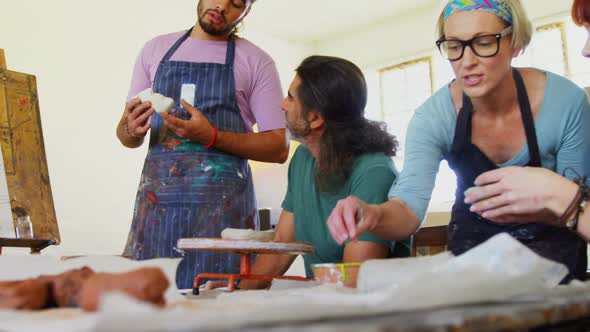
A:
299, 129
210, 27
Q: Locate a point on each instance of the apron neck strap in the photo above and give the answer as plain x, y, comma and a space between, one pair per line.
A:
229, 55
231, 50
463, 130
528, 120
176, 45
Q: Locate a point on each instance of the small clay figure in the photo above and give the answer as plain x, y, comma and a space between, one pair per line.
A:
146, 284
30, 294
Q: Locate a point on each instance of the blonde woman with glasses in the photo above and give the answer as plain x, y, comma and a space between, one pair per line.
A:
491, 116
522, 194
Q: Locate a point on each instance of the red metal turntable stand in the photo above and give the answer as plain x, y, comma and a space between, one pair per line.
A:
245, 248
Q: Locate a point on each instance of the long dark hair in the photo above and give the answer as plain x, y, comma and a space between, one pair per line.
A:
336, 88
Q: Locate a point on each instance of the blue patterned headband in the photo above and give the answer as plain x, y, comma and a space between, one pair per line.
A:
497, 7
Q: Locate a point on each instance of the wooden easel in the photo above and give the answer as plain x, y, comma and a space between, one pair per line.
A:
2, 60
25, 163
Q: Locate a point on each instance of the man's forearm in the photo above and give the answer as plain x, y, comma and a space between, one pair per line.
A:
268, 146
267, 264
397, 221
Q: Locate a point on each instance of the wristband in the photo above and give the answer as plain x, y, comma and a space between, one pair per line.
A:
213, 138
572, 214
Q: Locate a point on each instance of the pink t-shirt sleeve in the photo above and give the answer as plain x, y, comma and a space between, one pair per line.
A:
266, 97
258, 86
141, 74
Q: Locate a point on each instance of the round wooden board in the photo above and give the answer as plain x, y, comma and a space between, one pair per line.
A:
245, 246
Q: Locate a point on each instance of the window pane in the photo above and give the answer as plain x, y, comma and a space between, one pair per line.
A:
579, 66
545, 51
373, 109
443, 195
403, 89
442, 72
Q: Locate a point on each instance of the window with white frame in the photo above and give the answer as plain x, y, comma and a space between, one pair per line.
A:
556, 47
403, 88
579, 69
546, 50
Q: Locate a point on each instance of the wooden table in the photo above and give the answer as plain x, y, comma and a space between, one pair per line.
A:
430, 240
557, 313
36, 245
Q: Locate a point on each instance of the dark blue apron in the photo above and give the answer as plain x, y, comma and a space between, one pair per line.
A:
467, 229
187, 190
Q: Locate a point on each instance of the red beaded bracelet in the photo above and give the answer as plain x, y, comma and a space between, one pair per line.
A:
213, 138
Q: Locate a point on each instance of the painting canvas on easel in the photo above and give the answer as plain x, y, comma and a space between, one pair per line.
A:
24, 177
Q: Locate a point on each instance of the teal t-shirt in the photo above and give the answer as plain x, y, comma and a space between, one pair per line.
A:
371, 177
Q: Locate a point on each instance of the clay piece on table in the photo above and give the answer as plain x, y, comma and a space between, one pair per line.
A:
160, 103
67, 286
30, 294
247, 234
82, 288
146, 284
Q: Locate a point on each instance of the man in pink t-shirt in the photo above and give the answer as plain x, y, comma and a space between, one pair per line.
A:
196, 180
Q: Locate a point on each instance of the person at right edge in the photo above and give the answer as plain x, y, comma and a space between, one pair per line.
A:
490, 116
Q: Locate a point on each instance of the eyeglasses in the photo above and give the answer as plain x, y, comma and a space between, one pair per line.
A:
484, 46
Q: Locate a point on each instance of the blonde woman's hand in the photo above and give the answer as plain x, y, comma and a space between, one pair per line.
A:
521, 194
351, 218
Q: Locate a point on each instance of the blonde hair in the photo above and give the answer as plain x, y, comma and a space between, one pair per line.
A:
522, 27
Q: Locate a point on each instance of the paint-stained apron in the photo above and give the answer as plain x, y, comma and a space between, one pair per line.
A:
186, 190
467, 229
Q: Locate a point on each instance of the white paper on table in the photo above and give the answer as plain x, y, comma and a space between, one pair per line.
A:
23, 266
281, 284
55, 320
498, 270
381, 273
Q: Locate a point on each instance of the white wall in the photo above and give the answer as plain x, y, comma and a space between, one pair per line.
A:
270, 180
406, 35
82, 52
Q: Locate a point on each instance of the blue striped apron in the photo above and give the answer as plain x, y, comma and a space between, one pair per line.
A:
187, 190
